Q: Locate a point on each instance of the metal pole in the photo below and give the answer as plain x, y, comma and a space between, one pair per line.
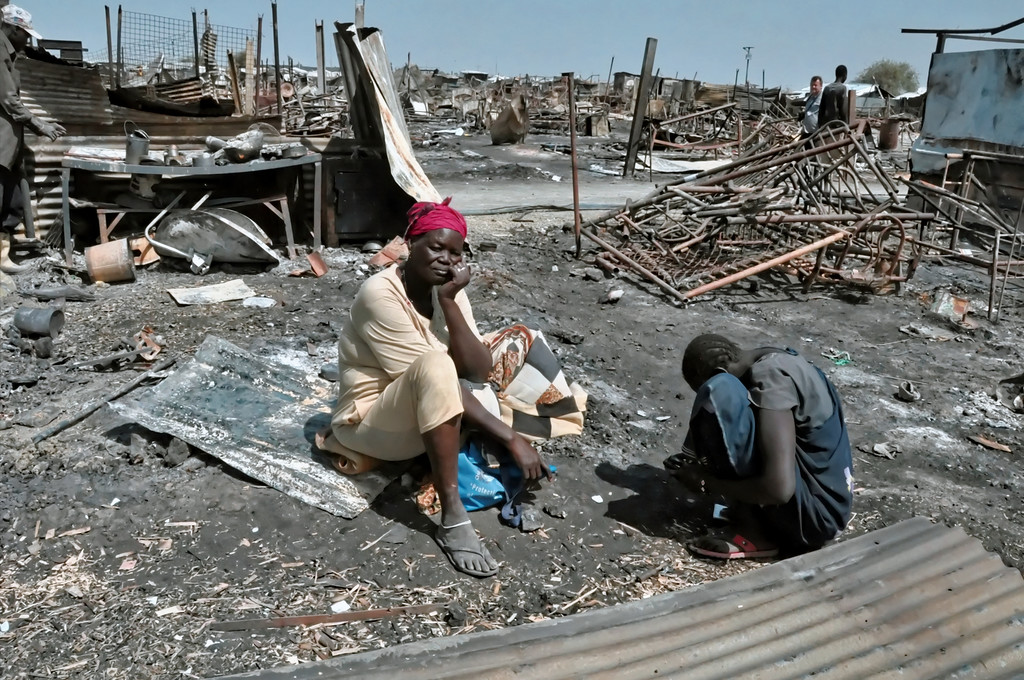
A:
195, 39
277, 60
571, 94
120, 57
994, 278
321, 69
1009, 263
110, 48
640, 110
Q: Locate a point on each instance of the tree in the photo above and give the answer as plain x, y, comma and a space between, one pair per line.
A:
895, 77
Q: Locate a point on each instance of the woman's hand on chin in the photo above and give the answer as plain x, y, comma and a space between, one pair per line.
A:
458, 278
527, 458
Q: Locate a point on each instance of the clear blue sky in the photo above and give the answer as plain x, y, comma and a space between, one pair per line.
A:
791, 38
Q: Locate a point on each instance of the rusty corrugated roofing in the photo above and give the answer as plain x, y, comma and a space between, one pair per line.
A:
914, 600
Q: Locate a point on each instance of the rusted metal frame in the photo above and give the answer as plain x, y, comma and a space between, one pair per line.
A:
980, 210
753, 169
995, 214
781, 259
731, 211
799, 179
698, 114
634, 265
843, 177
653, 198
857, 233
698, 238
693, 146
676, 226
777, 176
936, 205
651, 262
644, 234
1006, 275
688, 197
882, 177
835, 165
827, 218
774, 152
708, 189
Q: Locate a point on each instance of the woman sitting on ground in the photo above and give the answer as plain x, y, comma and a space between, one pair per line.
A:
409, 358
766, 429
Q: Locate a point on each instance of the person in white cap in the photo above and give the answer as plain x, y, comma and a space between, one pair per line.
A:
14, 34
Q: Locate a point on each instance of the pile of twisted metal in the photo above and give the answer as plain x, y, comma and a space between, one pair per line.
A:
823, 209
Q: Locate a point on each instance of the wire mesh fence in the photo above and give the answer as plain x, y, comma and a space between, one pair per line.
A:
155, 49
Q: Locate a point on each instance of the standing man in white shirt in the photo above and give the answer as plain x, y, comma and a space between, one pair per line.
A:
809, 116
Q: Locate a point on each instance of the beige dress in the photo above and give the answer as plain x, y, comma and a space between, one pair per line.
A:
396, 380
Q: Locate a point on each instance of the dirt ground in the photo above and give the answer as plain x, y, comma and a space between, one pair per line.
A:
120, 549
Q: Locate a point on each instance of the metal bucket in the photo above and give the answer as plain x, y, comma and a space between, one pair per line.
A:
889, 134
112, 261
39, 321
136, 145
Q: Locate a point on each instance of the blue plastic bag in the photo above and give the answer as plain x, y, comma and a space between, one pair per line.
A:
481, 486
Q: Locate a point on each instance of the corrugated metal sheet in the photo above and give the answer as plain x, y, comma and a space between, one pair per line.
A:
973, 101
183, 91
63, 92
405, 168
914, 600
199, 405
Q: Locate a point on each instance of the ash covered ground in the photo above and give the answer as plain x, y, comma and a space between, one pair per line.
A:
120, 548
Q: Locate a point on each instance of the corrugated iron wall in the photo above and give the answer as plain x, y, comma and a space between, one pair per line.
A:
915, 600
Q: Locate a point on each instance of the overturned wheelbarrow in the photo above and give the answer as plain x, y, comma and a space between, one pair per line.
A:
209, 235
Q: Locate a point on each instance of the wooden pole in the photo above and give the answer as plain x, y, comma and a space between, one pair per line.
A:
321, 67
571, 95
110, 48
277, 60
640, 110
120, 60
258, 76
195, 40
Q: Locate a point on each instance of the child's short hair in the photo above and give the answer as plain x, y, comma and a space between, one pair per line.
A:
706, 355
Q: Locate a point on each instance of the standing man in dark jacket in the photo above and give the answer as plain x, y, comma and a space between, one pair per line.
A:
14, 35
834, 103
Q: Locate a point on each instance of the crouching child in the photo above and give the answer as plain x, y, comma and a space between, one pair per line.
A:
766, 433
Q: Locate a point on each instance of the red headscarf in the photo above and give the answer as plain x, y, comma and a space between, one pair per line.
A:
427, 216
